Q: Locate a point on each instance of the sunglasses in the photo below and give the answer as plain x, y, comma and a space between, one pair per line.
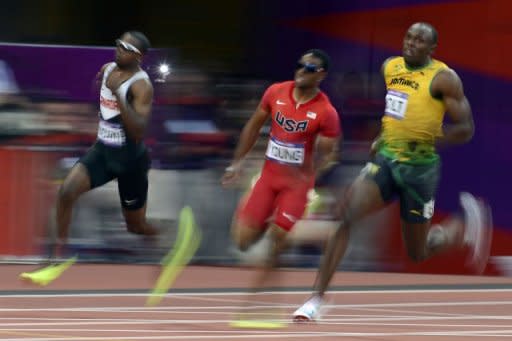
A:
127, 46
308, 67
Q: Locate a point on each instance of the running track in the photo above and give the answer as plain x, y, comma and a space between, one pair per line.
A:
106, 302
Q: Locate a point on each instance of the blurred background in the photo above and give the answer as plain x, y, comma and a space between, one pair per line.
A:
222, 55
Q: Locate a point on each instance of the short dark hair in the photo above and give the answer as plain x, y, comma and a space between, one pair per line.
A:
433, 31
322, 55
144, 44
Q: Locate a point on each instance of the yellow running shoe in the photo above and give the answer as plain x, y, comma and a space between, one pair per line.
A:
186, 245
254, 324
269, 318
49, 273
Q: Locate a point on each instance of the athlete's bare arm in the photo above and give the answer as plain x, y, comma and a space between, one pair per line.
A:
135, 115
250, 133
327, 149
447, 84
375, 143
248, 138
99, 75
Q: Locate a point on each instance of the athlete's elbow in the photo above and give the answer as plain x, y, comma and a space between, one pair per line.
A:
468, 137
468, 132
140, 135
462, 132
137, 133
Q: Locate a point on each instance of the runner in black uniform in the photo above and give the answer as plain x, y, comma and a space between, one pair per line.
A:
119, 153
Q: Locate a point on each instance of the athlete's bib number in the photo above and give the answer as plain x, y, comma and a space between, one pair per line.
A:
111, 134
396, 104
289, 153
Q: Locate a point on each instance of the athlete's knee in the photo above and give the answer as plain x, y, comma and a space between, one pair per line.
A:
67, 194
241, 241
141, 228
138, 228
279, 236
342, 233
417, 254
135, 228
244, 236
345, 223
243, 244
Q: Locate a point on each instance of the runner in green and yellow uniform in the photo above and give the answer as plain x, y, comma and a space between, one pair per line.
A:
420, 90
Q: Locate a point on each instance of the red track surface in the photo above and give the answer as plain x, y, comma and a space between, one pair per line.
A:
202, 304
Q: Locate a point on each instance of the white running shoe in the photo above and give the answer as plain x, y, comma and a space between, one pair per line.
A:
309, 311
478, 230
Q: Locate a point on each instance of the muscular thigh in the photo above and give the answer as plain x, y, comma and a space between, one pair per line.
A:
291, 203
379, 172
76, 182
257, 206
370, 191
96, 165
417, 190
133, 184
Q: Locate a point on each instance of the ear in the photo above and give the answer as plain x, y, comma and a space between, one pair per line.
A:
433, 48
321, 76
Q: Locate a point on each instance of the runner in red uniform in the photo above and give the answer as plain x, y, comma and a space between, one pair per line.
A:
304, 137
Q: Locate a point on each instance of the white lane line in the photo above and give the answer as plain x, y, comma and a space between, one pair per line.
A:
406, 312
229, 307
247, 299
170, 310
188, 331
28, 326
421, 318
89, 323
259, 335
188, 312
420, 325
326, 320
236, 293
420, 304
